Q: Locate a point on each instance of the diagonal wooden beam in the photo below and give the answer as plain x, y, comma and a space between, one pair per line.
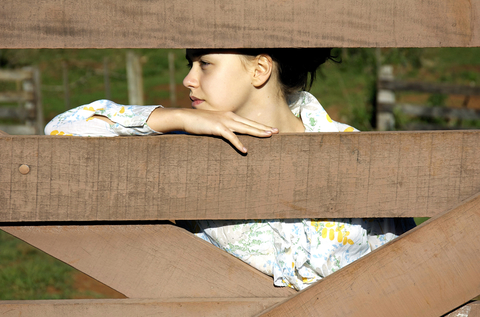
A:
150, 261
428, 271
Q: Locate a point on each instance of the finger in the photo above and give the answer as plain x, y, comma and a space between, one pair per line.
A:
233, 139
250, 130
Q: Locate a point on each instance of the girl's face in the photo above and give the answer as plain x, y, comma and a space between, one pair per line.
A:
218, 81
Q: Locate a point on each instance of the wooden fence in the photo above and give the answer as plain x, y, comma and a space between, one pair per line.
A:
28, 100
386, 103
100, 204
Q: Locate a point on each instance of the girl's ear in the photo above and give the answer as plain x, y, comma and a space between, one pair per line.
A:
262, 70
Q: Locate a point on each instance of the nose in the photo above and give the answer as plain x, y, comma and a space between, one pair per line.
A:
191, 81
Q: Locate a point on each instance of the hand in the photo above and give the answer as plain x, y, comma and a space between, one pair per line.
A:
207, 122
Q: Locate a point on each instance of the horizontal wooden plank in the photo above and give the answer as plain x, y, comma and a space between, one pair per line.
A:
433, 112
151, 261
136, 307
366, 174
156, 307
231, 24
10, 112
428, 271
17, 129
15, 96
432, 88
15, 75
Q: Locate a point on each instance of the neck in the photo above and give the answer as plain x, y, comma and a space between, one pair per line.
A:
271, 108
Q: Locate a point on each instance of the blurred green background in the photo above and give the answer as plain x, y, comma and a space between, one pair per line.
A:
346, 90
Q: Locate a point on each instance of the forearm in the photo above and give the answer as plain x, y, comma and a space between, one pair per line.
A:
102, 118
167, 120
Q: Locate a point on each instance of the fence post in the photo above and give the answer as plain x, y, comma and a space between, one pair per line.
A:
134, 78
385, 119
40, 124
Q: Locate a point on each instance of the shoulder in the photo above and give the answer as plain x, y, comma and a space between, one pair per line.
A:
314, 117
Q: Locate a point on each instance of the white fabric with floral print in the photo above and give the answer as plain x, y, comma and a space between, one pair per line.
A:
296, 252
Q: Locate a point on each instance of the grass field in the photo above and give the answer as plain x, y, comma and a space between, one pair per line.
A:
346, 90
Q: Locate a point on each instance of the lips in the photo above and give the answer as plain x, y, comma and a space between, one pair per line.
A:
195, 101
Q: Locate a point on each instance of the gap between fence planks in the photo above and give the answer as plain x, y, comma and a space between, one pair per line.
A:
136, 307
425, 272
314, 175
469, 310
151, 261
232, 24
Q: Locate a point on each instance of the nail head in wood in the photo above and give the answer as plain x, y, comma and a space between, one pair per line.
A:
24, 169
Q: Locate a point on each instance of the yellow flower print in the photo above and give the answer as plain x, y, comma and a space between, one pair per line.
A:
307, 280
330, 232
349, 129
316, 223
56, 132
91, 118
88, 108
347, 240
122, 110
329, 119
324, 233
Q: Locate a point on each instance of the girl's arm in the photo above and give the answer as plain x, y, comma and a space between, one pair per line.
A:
106, 118
84, 120
219, 123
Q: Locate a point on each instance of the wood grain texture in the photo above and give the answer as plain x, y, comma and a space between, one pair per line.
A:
151, 261
425, 272
368, 174
136, 307
231, 24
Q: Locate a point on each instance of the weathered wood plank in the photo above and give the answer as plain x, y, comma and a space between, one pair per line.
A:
425, 272
11, 112
424, 87
224, 23
137, 307
151, 261
15, 96
389, 174
433, 112
15, 75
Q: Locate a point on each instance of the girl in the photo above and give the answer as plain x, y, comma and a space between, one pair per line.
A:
259, 92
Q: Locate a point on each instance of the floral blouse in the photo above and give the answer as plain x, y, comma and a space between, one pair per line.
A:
296, 252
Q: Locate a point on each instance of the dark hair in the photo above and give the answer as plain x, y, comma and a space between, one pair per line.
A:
297, 67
